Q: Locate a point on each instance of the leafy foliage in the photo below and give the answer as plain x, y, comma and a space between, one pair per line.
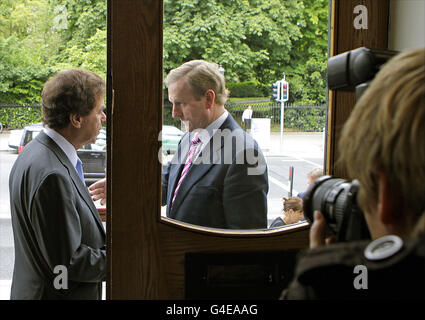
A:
248, 89
253, 40
19, 116
41, 37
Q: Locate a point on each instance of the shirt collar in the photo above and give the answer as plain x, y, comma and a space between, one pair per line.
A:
206, 134
64, 144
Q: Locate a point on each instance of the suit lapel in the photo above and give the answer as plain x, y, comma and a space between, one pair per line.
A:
82, 189
176, 167
197, 171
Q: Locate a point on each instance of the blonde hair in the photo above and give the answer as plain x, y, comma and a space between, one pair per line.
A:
386, 133
201, 76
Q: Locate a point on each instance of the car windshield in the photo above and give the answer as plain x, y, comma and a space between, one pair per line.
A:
31, 134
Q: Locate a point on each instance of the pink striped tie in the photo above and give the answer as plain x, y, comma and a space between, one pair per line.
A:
194, 144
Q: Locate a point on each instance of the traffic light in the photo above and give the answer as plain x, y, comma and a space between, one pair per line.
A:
277, 90
284, 91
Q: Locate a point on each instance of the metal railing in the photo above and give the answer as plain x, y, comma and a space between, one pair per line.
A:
296, 118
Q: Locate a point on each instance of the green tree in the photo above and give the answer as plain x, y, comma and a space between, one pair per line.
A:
27, 43
245, 37
253, 40
41, 37
82, 33
307, 71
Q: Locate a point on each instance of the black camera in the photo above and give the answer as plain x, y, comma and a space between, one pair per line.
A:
353, 70
336, 199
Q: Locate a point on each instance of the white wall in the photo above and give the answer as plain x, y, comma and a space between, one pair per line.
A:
407, 24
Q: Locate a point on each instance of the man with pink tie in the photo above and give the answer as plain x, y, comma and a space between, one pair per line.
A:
218, 176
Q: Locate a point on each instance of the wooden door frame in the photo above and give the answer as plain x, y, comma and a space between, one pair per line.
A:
344, 37
146, 252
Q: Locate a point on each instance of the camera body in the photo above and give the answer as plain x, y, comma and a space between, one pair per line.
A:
353, 70
336, 199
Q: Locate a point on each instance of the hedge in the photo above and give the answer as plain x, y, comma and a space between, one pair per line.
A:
248, 89
17, 116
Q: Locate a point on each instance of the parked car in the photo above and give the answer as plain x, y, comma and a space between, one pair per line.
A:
14, 139
170, 139
93, 158
29, 133
92, 155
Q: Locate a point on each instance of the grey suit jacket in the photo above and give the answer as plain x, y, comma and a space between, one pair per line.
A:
228, 186
55, 223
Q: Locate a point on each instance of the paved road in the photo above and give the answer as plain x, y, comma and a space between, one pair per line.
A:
7, 158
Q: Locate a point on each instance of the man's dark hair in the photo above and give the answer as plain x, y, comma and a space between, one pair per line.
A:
73, 91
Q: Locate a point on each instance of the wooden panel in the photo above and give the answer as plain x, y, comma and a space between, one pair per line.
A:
176, 242
345, 37
134, 175
145, 253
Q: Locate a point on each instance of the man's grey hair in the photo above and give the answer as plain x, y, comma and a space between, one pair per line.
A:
201, 76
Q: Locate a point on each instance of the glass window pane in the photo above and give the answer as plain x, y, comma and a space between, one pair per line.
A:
255, 44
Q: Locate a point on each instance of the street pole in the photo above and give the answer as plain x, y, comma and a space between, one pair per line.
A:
282, 117
280, 93
291, 181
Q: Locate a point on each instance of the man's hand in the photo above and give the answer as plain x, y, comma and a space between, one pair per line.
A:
98, 191
318, 232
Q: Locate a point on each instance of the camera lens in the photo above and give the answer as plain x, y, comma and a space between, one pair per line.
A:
336, 199
327, 195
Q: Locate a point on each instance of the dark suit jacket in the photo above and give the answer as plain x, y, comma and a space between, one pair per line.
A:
229, 191
278, 222
55, 223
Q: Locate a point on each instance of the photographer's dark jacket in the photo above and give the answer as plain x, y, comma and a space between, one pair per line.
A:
329, 273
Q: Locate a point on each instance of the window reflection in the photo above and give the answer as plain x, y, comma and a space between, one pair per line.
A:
253, 47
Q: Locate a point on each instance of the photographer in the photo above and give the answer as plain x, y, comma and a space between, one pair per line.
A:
383, 147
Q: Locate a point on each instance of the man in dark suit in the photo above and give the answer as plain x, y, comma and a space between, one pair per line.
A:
218, 177
59, 237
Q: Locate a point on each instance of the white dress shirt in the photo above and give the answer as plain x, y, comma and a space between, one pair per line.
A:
206, 134
64, 144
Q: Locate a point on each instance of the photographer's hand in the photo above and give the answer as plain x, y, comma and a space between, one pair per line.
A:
318, 232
